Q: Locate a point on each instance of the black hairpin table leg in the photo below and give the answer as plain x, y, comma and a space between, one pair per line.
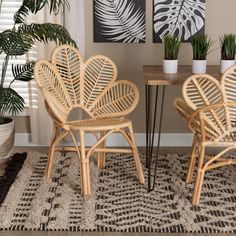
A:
151, 117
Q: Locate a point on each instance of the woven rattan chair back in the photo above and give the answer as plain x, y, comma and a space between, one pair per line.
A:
201, 90
88, 85
228, 84
53, 89
204, 90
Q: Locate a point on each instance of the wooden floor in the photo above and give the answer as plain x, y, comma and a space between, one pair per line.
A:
51, 233
24, 233
41, 233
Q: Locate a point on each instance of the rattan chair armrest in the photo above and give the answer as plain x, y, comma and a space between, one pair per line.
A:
211, 107
183, 109
198, 118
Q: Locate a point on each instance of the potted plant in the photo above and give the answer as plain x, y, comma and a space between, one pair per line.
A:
228, 50
201, 45
18, 41
171, 51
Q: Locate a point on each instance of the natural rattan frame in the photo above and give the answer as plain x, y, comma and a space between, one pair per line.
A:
67, 82
209, 108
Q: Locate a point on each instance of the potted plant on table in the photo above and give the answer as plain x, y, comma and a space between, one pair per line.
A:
228, 50
201, 45
171, 51
18, 41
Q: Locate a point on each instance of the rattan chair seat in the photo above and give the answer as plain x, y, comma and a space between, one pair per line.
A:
98, 124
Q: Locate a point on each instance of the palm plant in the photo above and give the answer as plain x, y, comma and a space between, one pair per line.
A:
201, 45
19, 40
228, 47
171, 47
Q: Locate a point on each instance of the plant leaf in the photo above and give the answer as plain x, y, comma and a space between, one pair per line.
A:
171, 47
120, 20
182, 18
201, 45
33, 6
47, 32
55, 5
228, 46
23, 72
14, 43
10, 101
20, 15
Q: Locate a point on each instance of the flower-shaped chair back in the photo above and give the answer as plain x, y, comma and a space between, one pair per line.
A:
203, 90
68, 82
228, 84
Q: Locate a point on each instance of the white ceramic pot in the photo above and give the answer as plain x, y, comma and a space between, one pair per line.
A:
226, 64
199, 66
7, 136
170, 66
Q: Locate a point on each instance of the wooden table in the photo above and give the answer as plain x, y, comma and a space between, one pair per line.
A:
155, 78
154, 75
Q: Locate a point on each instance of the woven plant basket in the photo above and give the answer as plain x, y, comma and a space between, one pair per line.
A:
7, 136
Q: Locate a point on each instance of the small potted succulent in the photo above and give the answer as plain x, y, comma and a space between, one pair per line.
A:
201, 45
171, 51
228, 50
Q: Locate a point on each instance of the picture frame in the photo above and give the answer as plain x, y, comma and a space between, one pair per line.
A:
183, 18
119, 21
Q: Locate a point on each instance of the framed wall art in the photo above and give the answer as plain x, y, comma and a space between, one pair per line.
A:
183, 18
119, 21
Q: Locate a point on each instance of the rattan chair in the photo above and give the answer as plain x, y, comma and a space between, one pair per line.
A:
67, 83
209, 108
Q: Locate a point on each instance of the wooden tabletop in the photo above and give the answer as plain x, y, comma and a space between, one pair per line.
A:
154, 75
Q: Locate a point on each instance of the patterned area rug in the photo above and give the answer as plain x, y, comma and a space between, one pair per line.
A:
118, 202
8, 175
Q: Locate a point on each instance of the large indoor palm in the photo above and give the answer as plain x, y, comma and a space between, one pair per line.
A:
19, 40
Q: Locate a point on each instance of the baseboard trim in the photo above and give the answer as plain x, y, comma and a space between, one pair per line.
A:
167, 140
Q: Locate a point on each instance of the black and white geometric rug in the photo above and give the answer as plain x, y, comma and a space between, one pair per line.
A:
7, 176
118, 202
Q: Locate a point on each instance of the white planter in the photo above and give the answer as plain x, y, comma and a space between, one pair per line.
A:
226, 64
199, 66
7, 136
170, 66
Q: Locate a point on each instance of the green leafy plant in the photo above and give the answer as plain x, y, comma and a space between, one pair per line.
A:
18, 40
201, 45
228, 47
171, 47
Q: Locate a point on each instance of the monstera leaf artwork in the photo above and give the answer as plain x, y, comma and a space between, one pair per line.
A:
119, 21
183, 18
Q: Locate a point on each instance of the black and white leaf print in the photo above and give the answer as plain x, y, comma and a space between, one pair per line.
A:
119, 21
182, 18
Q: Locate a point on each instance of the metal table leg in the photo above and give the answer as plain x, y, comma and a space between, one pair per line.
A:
151, 117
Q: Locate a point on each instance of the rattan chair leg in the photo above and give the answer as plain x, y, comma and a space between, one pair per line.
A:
48, 169
56, 140
50, 154
54, 134
198, 187
199, 179
81, 176
192, 160
101, 155
85, 176
136, 156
